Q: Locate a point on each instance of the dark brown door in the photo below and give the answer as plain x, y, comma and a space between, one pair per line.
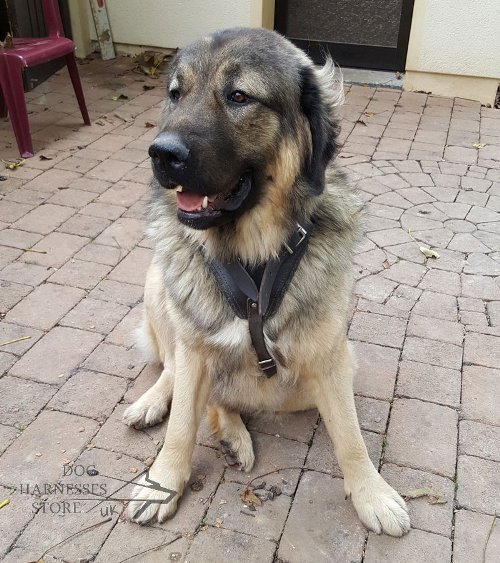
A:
26, 20
362, 33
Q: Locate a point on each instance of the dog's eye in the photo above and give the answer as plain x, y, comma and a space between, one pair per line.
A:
238, 97
174, 95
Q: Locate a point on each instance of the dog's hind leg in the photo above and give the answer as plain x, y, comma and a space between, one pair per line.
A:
378, 505
234, 437
152, 407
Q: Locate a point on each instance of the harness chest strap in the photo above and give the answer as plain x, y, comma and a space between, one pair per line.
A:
258, 301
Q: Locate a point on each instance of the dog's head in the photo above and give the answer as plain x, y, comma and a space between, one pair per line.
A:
248, 118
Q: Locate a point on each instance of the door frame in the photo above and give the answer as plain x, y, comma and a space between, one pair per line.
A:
351, 54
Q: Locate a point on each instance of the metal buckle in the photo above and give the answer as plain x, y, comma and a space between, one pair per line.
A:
266, 362
302, 232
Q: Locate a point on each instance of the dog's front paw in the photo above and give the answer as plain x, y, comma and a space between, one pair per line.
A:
155, 499
148, 410
379, 506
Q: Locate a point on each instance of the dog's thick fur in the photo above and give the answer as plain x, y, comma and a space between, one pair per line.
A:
288, 138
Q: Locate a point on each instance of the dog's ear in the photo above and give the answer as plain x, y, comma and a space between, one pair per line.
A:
319, 95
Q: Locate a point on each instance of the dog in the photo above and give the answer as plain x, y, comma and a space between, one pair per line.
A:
240, 182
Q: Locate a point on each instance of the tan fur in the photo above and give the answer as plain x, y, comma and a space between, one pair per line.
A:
208, 360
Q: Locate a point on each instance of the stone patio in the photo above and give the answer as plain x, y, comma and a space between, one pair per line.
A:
426, 331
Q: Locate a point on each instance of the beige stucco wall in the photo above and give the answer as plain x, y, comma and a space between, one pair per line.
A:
455, 38
175, 23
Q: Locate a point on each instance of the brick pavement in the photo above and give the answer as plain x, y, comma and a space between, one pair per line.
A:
427, 333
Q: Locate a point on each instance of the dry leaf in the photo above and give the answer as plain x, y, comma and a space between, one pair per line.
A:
147, 87
5, 502
119, 97
433, 497
45, 157
368, 113
386, 264
250, 498
428, 253
218, 522
148, 124
362, 122
12, 165
478, 145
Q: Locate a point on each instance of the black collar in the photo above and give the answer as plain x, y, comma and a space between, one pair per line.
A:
256, 293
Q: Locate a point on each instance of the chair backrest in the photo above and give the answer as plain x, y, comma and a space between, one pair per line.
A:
52, 18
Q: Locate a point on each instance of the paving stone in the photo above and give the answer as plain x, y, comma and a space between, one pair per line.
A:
111, 170
437, 305
293, 426
320, 505
432, 352
415, 547
442, 281
471, 537
436, 518
44, 306
52, 180
6, 362
465, 242
11, 332
272, 453
7, 435
471, 304
118, 292
8, 255
133, 268
321, 456
124, 233
115, 360
417, 179
49, 434
84, 225
100, 254
480, 264
480, 389
377, 329
480, 440
389, 237
44, 219
22, 400
11, 211
116, 436
103, 210
372, 414
11, 293
376, 372
422, 436
89, 394
482, 215
18, 238
478, 481
374, 288
373, 260
123, 193
429, 383
460, 155
435, 329
57, 248
15, 517
494, 312
127, 539
217, 544
21, 272
72, 198
268, 520
95, 315
482, 349
48, 529
79, 273
56, 355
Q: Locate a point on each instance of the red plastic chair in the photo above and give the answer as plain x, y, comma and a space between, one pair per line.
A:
32, 52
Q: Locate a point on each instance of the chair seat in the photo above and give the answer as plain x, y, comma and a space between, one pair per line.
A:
32, 52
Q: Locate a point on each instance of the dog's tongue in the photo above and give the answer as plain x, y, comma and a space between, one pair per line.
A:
189, 201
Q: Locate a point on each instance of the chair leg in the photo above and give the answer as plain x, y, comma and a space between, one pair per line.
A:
77, 85
3, 105
13, 93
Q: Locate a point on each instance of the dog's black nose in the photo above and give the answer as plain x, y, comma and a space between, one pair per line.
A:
168, 151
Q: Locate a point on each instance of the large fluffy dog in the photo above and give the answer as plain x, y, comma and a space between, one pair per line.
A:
248, 130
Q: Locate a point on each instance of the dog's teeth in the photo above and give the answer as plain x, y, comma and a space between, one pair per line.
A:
178, 189
205, 202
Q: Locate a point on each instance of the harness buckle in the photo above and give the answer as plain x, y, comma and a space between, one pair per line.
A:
303, 234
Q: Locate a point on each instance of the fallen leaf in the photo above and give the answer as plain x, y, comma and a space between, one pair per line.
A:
428, 253
5, 502
368, 113
386, 264
119, 97
433, 497
12, 165
148, 124
147, 87
362, 122
45, 157
133, 470
218, 522
479, 145
250, 498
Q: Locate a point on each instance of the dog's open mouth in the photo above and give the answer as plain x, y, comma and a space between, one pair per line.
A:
191, 205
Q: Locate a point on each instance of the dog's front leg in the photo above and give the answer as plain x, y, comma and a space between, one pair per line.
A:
172, 467
378, 505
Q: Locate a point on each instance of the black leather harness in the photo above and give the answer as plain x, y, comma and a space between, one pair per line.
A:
255, 294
